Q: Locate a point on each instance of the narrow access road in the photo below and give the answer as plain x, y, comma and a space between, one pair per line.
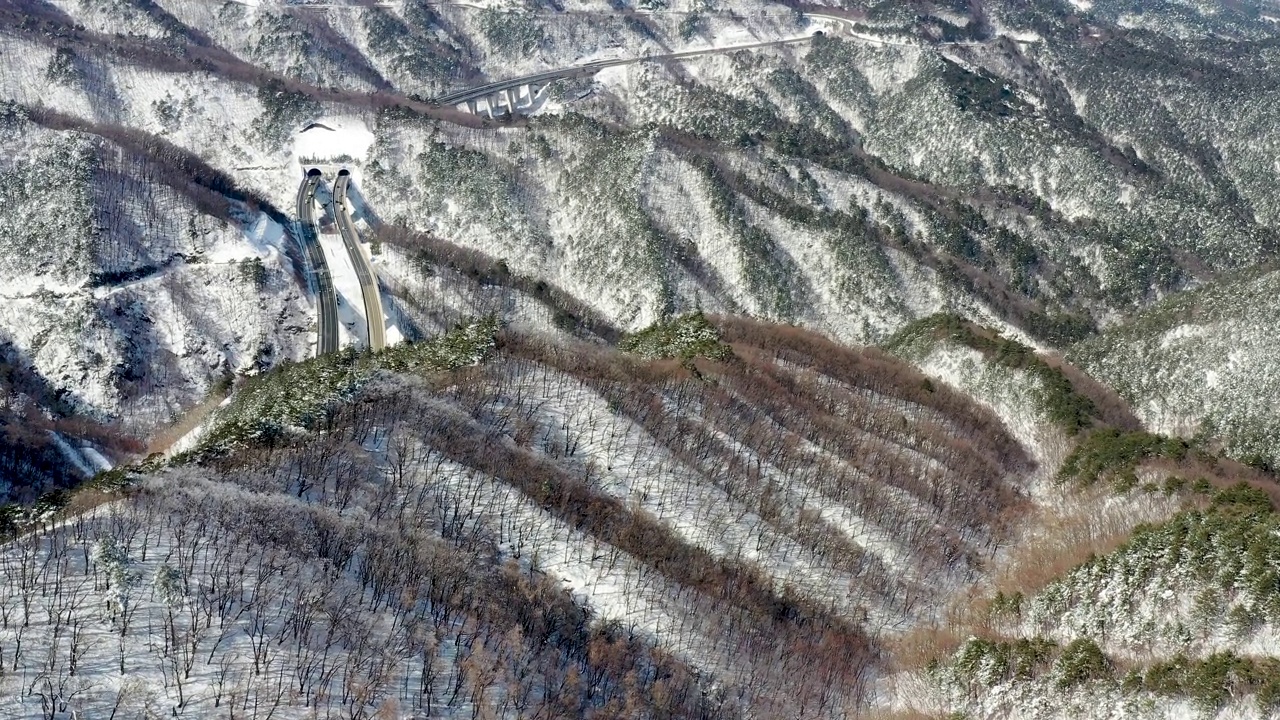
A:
327, 332
364, 271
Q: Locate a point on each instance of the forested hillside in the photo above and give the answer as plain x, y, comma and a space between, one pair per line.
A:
559, 529
1201, 363
887, 358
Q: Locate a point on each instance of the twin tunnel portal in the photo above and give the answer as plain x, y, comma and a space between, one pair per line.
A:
508, 97
322, 277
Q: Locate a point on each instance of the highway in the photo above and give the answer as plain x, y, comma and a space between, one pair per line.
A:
846, 26
327, 332
592, 68
364, 272
841, 25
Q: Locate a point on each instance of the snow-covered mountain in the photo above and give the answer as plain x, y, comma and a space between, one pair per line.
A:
1056, 218
1046, 166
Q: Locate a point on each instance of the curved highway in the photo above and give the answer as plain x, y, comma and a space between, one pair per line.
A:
327, 332
840, 25
364, 271
591, 68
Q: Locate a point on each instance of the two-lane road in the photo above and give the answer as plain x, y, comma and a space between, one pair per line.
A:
364, 271
327, 297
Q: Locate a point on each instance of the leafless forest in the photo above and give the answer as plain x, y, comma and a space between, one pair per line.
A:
731, 523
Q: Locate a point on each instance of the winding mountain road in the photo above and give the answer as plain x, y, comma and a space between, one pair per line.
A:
327, 297
364, 271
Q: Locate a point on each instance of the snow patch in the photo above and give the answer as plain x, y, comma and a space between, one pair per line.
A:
334, 138
95, 458
73, 456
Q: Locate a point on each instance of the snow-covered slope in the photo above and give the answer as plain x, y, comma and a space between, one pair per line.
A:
763, 520
848, 185
128, 294
762, 533
1201, 363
